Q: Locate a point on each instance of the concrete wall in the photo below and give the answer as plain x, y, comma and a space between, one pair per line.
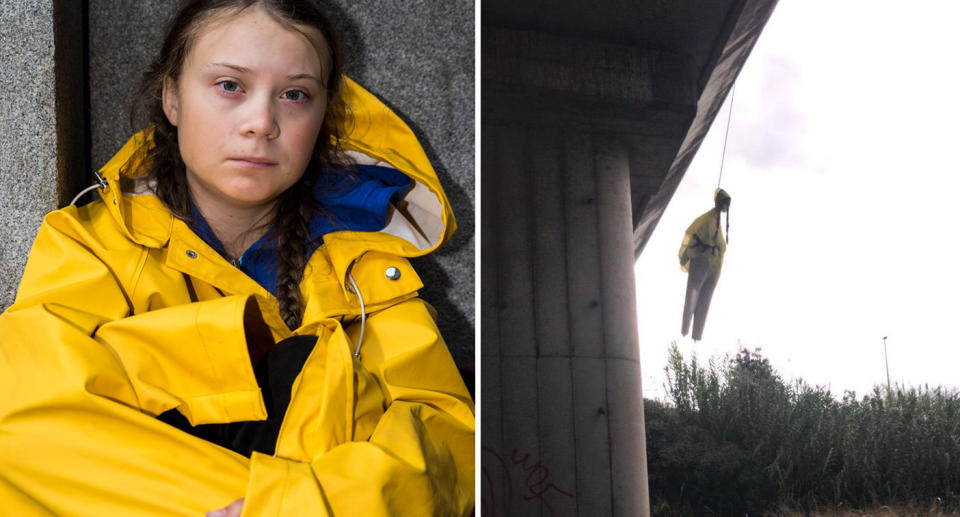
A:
417, 56
562, 414
27, 109
41, 131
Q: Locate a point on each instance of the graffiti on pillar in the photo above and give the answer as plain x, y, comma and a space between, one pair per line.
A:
534, 479
492, 461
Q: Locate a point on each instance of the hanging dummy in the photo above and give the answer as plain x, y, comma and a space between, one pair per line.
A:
701, 256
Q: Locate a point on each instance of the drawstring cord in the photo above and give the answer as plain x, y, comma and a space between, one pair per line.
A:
101, 184
363, 312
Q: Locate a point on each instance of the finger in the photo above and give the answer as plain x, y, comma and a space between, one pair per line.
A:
234, 509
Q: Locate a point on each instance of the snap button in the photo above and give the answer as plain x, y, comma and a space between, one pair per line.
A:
393, 273
191, 254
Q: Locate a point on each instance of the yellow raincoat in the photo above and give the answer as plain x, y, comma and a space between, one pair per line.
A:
701, 255
124, 313
704, 239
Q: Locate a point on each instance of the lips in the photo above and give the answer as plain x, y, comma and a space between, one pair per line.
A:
253, 161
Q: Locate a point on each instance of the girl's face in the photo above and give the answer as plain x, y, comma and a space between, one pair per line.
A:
248, 106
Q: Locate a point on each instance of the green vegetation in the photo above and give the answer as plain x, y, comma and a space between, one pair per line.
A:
736, 439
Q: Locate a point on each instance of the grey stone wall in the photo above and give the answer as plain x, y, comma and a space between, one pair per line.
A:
41, 130
417, 56
28, 160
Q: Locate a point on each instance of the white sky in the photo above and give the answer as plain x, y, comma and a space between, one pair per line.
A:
842, 165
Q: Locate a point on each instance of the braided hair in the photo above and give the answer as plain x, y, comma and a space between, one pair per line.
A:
164, 165
720, 200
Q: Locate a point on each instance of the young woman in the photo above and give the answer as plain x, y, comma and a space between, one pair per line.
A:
234, 325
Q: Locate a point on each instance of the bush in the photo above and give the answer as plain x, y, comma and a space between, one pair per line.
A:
735, 439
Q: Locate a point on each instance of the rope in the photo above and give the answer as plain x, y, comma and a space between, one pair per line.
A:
723, 157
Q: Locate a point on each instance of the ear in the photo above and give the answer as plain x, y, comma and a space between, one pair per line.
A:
171, 101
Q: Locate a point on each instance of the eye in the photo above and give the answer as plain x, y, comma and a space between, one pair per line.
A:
295, 95
229, 86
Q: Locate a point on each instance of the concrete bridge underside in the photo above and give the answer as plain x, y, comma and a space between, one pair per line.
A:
590, 117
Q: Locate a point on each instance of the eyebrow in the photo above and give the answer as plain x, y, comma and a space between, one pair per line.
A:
242, 69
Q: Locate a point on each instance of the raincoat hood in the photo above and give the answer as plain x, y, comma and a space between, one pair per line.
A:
720, 195
416, 225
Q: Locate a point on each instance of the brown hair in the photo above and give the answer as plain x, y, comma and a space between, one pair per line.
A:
296, 206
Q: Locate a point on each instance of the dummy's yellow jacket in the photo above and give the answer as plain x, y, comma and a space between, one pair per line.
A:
704, 239
124, 313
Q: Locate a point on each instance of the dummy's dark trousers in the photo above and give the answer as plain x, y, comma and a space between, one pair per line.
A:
701, 280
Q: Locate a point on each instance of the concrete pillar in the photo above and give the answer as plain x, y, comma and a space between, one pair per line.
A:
562, 421
562, 404
42, 134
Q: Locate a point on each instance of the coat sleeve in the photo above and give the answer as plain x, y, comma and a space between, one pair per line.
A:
169, 357
82, 380
686, 252
419, 459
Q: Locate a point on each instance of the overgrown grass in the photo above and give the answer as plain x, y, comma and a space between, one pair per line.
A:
734, 438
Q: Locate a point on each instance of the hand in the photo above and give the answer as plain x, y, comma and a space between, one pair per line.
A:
232, 510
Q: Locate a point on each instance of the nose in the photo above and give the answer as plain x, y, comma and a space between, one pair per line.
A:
259, 119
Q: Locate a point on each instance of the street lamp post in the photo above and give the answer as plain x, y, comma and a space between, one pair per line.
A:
886, 363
